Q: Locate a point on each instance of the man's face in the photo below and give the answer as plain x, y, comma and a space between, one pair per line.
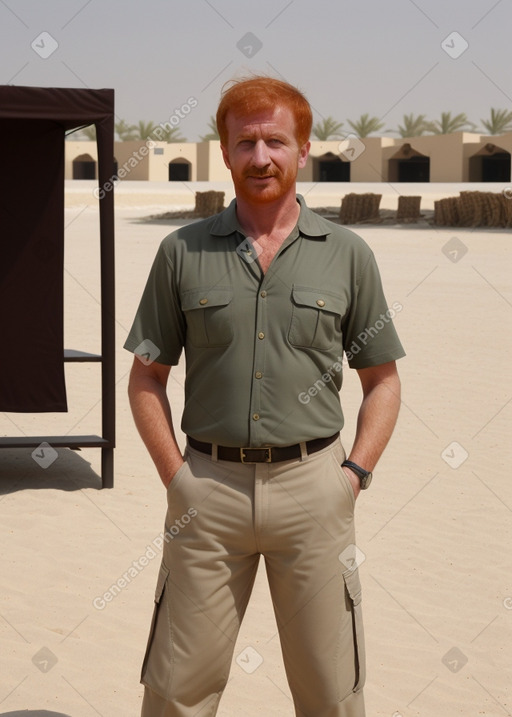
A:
263, 155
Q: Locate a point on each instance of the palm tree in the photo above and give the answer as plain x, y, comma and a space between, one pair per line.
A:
365, 125
125, 132
412, 126
149, 130
327, 129
166, 133
144, 130
448, 124
213, 133
500, 121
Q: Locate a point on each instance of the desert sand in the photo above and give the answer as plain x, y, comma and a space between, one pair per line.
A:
434, 528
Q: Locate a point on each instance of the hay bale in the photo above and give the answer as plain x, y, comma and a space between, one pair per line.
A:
470, 209
446, 212
208, 203
474, 209
439, 217
359, 208
347, 209
408, 209
453, 211
494, 216
372, 204
506, 205
482, 209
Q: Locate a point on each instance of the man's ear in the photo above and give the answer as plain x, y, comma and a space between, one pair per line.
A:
225, 156
303, 154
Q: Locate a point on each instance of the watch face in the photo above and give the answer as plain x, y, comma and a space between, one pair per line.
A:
365, 482
365, 477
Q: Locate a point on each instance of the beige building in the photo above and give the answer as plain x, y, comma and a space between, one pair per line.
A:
457, 157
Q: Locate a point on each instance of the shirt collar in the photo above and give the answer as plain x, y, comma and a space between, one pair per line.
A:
310, 224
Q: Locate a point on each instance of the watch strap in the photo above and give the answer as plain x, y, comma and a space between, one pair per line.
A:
361, 472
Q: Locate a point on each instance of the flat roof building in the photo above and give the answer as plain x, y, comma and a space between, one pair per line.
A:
457, 157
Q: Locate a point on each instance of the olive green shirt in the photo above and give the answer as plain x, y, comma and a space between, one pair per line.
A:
264, 352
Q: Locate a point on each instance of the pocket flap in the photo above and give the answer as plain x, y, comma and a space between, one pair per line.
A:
318, 299
203, 298
353, 584
163, 574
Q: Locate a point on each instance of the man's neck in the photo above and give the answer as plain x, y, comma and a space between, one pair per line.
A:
268, 219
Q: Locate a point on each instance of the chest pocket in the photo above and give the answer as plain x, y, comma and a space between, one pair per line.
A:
208, 312
316, 318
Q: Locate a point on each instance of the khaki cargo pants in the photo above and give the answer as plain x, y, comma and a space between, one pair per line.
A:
221, 517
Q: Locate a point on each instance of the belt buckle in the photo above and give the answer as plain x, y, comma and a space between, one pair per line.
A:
267, 459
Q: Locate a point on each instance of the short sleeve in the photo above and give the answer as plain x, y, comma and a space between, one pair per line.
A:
369, 335
158, 329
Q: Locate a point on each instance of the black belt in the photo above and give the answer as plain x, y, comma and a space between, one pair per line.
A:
272, 454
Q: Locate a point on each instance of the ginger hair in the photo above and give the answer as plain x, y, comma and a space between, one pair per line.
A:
259, 93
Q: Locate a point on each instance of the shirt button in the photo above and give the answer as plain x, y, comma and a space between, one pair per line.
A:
203, 301
258, 374
320, 302
263, 294
255, 416
261, 335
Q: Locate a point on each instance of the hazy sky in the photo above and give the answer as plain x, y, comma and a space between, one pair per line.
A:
386, 58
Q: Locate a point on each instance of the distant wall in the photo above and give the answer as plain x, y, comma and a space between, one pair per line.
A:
447, 158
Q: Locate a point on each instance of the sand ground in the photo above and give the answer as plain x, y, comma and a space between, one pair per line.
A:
435, 527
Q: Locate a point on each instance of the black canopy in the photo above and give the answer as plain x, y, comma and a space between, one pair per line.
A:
33, 123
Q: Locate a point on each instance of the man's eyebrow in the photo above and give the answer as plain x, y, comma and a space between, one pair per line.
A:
248, 135
245, 135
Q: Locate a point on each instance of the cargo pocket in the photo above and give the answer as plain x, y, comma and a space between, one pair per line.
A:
316, 318
353, 587
157, 665
209, 318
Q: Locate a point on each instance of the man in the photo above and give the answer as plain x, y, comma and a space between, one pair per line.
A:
264, 298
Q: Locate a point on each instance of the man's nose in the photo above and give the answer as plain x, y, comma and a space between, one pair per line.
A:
261, 156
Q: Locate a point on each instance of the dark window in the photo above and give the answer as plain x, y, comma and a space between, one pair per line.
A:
333, 171
414, 169
179, 172
84, 169
496, 168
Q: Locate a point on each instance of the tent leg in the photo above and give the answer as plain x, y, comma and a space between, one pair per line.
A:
107, 467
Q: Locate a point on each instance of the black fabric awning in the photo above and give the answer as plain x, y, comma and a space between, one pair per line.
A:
33, 123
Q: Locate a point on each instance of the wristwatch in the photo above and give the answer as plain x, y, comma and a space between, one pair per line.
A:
365, 477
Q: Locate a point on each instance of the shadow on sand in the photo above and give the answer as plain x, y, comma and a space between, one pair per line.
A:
69, 471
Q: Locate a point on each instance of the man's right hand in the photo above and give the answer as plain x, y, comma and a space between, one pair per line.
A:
152, 415
168, 482
354, 480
